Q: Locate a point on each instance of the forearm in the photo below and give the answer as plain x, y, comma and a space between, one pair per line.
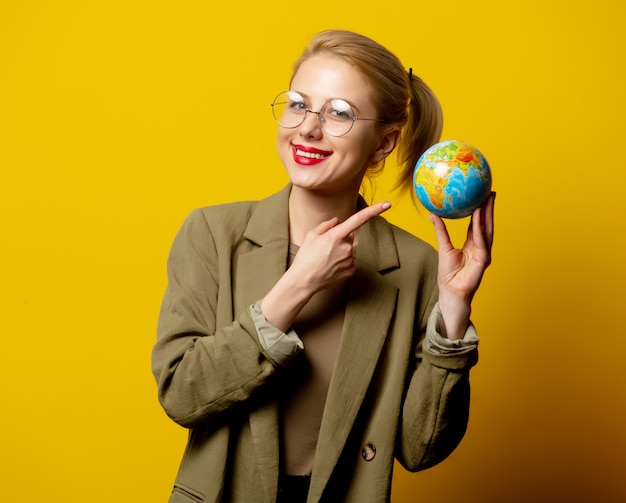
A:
202, 375
285, 300
456, 315
436, 406
434, 417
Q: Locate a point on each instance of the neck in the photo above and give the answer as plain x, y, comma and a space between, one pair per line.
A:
308, 209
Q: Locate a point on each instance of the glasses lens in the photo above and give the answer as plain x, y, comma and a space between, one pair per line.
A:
338, 117
289, 109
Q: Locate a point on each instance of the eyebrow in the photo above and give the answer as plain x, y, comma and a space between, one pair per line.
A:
306, 96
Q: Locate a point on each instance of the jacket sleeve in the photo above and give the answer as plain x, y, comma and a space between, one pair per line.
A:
435, 411
202, 369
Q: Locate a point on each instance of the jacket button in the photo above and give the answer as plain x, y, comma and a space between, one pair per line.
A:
369, 452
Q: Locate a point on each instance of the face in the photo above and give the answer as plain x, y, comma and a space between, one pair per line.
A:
315, 160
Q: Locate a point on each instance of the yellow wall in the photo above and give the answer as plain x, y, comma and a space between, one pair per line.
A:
118, 117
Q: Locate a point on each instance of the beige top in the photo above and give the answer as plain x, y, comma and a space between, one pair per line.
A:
305, 382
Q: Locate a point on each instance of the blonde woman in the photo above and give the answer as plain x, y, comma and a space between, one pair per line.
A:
304, 341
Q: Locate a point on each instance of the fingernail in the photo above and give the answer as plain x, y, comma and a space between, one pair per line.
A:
386, 205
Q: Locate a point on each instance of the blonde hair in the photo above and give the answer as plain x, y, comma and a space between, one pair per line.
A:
401, 98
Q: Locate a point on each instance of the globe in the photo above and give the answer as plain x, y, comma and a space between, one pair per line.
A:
452, 179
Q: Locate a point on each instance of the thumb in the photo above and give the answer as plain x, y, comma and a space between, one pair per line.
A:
441, 232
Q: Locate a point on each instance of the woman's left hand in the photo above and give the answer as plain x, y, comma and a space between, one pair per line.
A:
461, 270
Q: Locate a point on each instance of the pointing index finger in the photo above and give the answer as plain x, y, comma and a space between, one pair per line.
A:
360, 218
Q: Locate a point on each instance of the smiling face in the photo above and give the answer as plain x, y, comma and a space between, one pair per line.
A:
317, 161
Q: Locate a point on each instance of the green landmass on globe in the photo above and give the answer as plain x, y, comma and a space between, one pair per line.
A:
452, 179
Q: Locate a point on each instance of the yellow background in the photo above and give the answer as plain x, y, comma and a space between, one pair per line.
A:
119, 117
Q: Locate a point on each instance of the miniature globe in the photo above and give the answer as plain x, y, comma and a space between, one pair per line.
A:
452, 179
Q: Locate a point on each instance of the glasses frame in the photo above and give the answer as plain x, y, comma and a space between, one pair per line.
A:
319, 116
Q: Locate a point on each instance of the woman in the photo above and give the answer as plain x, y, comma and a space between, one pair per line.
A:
304, 341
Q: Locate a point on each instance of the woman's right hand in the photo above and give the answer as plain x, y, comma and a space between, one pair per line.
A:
325, 258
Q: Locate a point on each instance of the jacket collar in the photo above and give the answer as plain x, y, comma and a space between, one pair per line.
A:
269, 223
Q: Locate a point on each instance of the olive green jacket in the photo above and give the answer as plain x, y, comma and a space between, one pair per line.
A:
389, 397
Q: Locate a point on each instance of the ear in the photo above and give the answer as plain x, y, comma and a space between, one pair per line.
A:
388, 142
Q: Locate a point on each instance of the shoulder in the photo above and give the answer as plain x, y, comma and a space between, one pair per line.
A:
207, 230
259, 221
221, 213
228, 213
219, 224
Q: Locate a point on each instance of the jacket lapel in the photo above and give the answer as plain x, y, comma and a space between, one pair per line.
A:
268, 235
257, 272
371, 306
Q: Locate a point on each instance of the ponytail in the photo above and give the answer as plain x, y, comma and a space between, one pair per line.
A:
422, 130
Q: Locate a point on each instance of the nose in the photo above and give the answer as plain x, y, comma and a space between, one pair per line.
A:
311, 127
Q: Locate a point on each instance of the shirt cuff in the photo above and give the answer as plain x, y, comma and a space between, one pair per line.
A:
280, 346
437, 342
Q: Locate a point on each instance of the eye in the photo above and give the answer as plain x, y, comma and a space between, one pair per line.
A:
295, 102
296, 105
339, 110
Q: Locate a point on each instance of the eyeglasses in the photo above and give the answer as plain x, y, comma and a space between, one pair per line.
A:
336, 115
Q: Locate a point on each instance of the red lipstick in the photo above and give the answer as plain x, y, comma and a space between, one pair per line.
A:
309, 156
